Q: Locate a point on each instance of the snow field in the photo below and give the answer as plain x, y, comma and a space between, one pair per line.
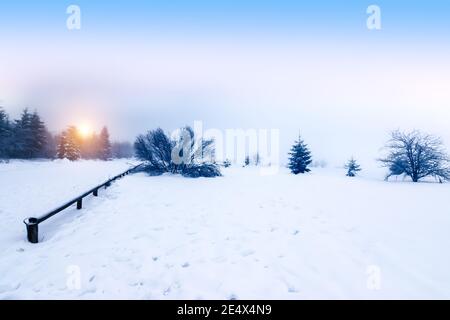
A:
241, 236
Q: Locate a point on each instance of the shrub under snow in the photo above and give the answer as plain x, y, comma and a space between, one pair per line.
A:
182, 154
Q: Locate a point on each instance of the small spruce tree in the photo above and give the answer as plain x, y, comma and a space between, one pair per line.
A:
69, 145
257, 159
352, 168
300, 157
227, 163
104, 152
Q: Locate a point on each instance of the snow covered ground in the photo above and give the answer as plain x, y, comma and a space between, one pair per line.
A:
243, 236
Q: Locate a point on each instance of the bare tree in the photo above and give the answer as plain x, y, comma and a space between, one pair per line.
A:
417, 155
155, 147
181, 153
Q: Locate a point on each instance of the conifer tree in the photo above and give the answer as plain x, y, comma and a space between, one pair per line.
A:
257, 159
39, 135
61, 148
5, 134
104, 145
352, 168
300, 157
69, 144
227, 163
23, 136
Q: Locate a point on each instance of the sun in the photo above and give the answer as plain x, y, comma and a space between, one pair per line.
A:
84, 130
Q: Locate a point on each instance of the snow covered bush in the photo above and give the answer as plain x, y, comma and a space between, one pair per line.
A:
227, 163
182, 154
201, 170
352, 168
300, 157
247, 161
417, 155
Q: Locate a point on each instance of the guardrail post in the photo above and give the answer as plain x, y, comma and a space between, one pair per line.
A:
95, 193
32, 229
79, 204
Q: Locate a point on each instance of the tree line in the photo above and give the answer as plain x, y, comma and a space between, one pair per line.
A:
28, 138
414, 154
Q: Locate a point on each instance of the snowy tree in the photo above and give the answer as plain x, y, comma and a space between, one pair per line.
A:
23, 136
300, 157
257, 159
417, 155
227, 163
61, 148
182, 154
29, 136
50, 148
69, 144
352, 167
39, 136
5, 135
155, 148
104, 145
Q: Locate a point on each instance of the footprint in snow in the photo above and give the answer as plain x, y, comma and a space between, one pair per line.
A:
219, 259
185, 265
136, 284
6, 287
88, 291
166, 292
296, 232
247, 253
292, 289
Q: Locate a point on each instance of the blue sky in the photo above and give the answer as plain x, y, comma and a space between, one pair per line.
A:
431, 17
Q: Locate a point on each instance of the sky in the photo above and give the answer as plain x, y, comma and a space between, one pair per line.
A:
311, 68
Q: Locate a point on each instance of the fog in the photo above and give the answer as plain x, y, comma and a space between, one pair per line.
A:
342, 92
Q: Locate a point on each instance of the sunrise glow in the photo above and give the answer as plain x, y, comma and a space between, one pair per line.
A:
85, 130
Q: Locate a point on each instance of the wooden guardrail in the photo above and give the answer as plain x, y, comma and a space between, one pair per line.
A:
33, 223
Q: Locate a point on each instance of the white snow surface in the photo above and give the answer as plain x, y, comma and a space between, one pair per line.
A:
240, 236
